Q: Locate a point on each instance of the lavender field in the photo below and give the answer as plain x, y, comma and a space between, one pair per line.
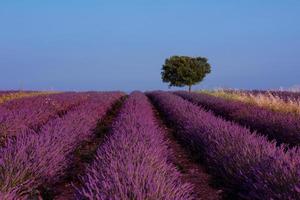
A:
152, 145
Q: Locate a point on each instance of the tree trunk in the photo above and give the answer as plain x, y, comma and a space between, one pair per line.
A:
190, 88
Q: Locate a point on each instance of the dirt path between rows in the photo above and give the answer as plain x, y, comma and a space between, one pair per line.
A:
192, 172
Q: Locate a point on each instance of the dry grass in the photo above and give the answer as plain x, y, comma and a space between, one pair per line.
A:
18, 95
268, 100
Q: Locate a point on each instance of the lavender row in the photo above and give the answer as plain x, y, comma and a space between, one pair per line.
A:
282, 127
29, 114
133, 162
32, 160
249, 165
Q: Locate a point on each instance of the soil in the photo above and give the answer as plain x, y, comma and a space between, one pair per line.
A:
192, 171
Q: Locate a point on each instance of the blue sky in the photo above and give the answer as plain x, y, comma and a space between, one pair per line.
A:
121, 45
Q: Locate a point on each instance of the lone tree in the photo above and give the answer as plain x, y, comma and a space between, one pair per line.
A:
182, 71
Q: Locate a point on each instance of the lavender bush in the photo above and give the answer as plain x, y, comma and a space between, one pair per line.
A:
32, 160
282, 127
247, 163
133, 162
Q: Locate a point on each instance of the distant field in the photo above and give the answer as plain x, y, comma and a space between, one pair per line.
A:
10, 95
157, 145
287, 102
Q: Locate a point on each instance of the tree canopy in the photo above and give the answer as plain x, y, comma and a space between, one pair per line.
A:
182, 71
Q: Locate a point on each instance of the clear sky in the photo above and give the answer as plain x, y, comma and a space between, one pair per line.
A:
121, 45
